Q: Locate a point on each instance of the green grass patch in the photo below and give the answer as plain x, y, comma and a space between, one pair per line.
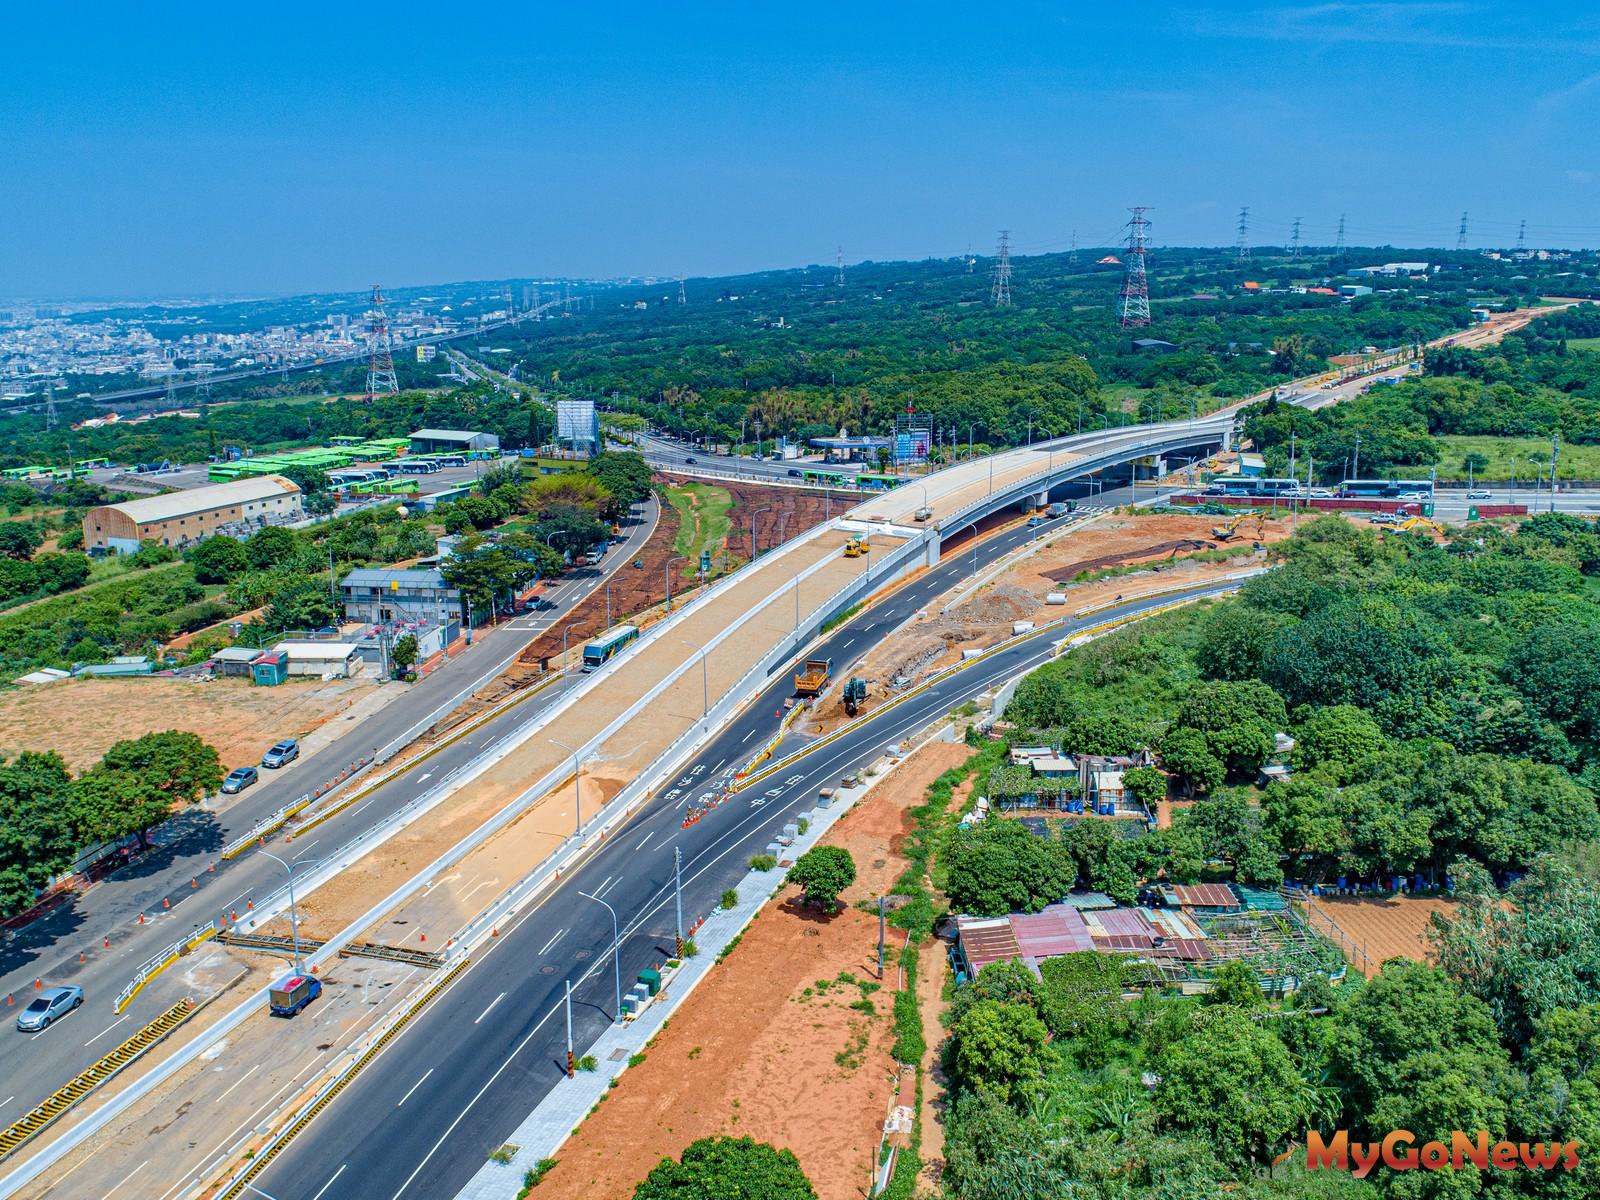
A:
703, 512
1574, 462
1592, 344
839, 618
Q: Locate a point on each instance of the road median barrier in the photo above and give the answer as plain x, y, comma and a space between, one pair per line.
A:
160, 961
240, 1181
62, 1101
265, 827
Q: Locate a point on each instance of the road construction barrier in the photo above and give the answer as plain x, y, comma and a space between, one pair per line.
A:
62, 1101
160, 961
267, 825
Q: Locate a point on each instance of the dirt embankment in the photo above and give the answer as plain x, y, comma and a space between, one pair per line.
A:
787, 1041
1153, 543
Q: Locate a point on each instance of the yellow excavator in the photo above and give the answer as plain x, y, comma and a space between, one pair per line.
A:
1227, 532
1421, 523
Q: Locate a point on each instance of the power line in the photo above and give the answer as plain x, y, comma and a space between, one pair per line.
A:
1243, 246
1000, 293
1133, 307
380, 350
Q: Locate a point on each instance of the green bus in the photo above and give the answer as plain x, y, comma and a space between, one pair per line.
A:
878, 483
604, 648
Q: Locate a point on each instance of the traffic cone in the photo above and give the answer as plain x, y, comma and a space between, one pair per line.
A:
249, 906
165, 903
212, 869
235, 915
37, 984
80, 955
141, 918
495, 932
107, 944
424, 937
194, 883
10, 999
313, 968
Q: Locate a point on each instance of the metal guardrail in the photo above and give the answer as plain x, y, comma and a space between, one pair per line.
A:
160, 961
63, 1100
268, 824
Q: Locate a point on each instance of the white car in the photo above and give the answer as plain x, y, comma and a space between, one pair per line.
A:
1480, 495
1411, 496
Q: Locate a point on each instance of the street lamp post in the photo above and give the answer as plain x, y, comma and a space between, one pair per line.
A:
705, 677
294, 916
577, 781
667, 570
616, 949
753, 517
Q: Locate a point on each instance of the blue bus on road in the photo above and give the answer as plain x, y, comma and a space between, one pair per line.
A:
606, 647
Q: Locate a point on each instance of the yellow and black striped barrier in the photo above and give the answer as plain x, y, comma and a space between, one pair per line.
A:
62, 1101
260, 1161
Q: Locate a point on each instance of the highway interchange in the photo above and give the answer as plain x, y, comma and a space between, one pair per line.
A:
423, 1117
33, 1066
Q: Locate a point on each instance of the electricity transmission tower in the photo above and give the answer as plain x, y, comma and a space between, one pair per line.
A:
1133, 306
682, 297
1000, 293
1522, 235
1461, 233
51, 420
1072, 254
380, 350
1338, 241
1294, 240
838, 259
1243, 245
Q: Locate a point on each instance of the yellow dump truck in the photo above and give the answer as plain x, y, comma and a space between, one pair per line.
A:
813, 677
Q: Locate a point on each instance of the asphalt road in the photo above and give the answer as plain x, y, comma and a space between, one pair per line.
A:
426, 1114
34, 1065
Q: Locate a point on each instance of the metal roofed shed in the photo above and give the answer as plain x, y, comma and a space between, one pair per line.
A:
235, 660
324, 660
457, 441
1215, 896
985, 940
1056, 930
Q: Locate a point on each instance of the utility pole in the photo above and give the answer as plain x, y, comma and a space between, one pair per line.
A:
880, 898
572, 1063
1555, 450
1242, 247
677, 893
1000, 292
1461, 233
1355, 463
1133, 306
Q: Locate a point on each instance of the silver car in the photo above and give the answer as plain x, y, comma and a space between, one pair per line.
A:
47, 1006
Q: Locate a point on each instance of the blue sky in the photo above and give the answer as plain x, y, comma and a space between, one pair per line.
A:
254, 148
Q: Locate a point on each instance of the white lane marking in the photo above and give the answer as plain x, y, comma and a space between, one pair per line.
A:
492, 1003
482, 884
545, 949
238, 1081
52, 1024
336, 1175
6, 1101
414, 1087
423, 778
748, 736
607, 887
106, 1030
129, 1176
718, 767
647, 837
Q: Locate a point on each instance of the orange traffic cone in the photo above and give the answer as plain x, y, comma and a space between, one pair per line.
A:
165, 903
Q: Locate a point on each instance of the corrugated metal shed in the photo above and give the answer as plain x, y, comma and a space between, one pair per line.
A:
204, 499
986, 940
1200, 895
1122, 921
1057, 930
